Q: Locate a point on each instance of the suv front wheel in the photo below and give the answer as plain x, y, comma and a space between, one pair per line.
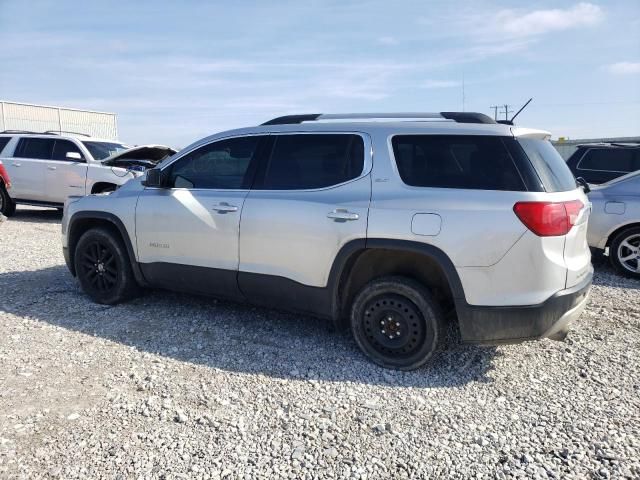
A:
396, 323
103, 267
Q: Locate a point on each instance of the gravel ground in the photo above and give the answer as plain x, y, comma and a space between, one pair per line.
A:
178, 386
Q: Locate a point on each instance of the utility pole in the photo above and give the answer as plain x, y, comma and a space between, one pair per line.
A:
495, 112
506, 111
463, 97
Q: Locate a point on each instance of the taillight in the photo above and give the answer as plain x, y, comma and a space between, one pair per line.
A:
4, 176
548, 219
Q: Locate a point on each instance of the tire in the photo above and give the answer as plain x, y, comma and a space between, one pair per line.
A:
624, 252
103, 267
7, 205
402, 308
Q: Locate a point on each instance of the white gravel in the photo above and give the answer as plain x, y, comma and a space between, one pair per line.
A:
177, 386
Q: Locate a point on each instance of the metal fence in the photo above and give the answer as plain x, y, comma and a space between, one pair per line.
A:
41, 118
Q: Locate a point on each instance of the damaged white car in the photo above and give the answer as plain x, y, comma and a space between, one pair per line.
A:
46, 168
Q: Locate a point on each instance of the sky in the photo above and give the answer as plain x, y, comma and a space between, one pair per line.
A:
178, 71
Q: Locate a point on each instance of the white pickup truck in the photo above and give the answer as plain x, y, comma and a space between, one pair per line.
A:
46, 168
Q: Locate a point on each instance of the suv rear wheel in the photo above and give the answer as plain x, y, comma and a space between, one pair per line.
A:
624, 252
7, 206
396, 323
103, 267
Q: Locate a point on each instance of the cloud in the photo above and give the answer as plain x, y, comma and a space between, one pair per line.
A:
624, 68
441, 84
389, 41
538, 22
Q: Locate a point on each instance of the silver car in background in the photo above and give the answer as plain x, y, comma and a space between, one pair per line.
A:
614, 225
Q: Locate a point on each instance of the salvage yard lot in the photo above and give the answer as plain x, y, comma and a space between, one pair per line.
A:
178, 386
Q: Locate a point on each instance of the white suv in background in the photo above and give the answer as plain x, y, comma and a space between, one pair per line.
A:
384, 224
46, 168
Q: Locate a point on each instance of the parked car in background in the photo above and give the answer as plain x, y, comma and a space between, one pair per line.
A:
600, 162
614, 226
46, 168
386, 224
5, 185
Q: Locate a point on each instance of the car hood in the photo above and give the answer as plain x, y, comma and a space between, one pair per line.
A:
143, 153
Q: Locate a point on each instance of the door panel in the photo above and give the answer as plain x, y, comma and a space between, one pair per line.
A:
65, 176
64, 179
297, 234
187, 233
311, 196
27, 178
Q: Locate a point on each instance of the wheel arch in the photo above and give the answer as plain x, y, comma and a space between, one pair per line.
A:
83, 221
361, 261
619, 229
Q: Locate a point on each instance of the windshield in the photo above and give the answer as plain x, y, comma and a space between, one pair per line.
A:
102, 150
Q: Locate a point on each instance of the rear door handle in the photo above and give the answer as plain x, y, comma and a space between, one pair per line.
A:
16, 164
342, 215
51, 167
224, 207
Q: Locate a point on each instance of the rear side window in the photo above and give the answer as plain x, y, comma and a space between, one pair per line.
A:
456, 161
35, 148
610, 160
307, 161
550, 166
3, 142
63, 147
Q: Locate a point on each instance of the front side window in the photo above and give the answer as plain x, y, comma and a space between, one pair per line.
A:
456, 161
102, 150
610, 160
219, 165
40, 148
62, 147
308, 161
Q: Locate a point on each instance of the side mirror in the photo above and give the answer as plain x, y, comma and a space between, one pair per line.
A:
155, 178
583, 183
75, 156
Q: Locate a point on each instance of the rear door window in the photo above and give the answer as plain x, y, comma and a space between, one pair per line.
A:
62, 147
550, 166
456, 161
609, 160
309, 161
3, 142
40, 148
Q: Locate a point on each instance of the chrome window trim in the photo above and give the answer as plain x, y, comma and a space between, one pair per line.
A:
366, 169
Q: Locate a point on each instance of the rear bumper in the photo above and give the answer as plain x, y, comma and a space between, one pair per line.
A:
514, 324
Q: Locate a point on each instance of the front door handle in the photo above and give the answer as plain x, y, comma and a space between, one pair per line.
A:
51, 167
224, 207
342, 215
16, 164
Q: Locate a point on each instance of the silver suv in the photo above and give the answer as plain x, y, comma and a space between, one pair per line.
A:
396, 223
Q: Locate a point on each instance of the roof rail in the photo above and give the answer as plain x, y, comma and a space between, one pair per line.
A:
27, 132
458, 117
60, 132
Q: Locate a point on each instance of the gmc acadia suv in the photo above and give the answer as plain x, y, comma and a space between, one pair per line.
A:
386, 224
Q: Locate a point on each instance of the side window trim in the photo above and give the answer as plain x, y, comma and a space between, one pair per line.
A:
258, 183
250, 174
578, 166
